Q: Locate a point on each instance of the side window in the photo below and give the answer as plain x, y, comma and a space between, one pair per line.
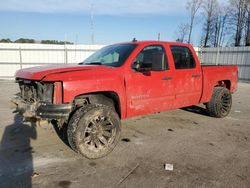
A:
183, 57
154, 56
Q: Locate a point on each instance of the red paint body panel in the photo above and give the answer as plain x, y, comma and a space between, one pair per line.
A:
92, 81
213, 74
139, 93
40, 72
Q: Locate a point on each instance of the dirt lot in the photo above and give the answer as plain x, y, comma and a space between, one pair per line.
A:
205, 151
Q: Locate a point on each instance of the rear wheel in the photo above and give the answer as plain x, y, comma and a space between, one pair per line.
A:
221, 102
94, 130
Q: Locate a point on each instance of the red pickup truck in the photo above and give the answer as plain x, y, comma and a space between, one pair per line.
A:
121, 81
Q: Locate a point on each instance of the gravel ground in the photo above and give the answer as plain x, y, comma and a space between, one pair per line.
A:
204, 151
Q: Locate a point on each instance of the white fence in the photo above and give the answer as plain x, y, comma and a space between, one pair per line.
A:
17, 56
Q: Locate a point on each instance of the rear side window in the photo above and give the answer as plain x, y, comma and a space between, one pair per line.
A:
154, 55
183, 57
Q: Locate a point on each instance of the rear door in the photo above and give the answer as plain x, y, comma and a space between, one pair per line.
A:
150, 91
187, 77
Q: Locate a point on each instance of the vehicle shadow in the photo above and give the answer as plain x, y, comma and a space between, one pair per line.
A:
196, 110
61, 132
16, 161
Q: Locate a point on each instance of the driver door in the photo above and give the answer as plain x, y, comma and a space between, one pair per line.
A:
150, 88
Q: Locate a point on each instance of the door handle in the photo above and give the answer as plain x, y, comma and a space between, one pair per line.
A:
196, 76
167, 78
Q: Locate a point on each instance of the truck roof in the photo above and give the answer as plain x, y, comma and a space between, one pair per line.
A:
156, 42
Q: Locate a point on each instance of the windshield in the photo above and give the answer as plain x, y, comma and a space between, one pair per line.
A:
114, 55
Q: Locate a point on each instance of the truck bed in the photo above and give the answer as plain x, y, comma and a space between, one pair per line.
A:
213, 73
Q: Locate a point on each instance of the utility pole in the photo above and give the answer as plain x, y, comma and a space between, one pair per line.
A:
65, 49
92, 24
76, 40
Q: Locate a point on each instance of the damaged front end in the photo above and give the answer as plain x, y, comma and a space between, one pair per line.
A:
41, 100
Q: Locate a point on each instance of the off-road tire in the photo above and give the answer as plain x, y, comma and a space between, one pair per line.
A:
94, 130
221, 102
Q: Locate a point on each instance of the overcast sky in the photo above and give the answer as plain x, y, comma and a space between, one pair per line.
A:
114, 20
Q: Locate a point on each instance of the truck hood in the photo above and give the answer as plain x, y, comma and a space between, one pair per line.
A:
40, 72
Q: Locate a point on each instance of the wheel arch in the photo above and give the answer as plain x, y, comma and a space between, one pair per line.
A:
209, 87
109, 98
224, 83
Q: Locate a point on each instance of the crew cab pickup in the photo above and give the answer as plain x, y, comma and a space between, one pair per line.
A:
121, 81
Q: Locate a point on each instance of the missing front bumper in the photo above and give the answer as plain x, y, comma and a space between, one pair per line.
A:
41, 110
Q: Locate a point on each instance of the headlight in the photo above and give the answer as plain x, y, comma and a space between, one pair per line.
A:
45, 91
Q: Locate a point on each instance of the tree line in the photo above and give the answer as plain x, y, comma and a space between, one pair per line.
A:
24, 40
223, 25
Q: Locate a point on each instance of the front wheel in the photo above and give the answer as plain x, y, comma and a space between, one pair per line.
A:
94, 130
221, 102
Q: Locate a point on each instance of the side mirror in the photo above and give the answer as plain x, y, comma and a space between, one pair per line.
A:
136, 65
142, 66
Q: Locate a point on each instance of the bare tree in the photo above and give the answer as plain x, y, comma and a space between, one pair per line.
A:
182, 32
220, 23
193, 7
237, 14
247, 24
210, 8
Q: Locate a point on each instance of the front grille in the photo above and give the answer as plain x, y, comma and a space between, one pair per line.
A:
35, 91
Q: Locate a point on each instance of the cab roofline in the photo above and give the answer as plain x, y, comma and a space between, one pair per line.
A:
153, 42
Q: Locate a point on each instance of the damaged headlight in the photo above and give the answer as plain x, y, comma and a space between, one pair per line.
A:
45, 91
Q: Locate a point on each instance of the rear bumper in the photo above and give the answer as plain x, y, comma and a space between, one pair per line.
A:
41, 110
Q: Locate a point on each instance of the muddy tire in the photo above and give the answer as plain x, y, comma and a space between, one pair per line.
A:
220, 104
94, 130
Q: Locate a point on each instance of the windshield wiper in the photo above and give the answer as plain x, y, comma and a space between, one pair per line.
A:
93, 63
